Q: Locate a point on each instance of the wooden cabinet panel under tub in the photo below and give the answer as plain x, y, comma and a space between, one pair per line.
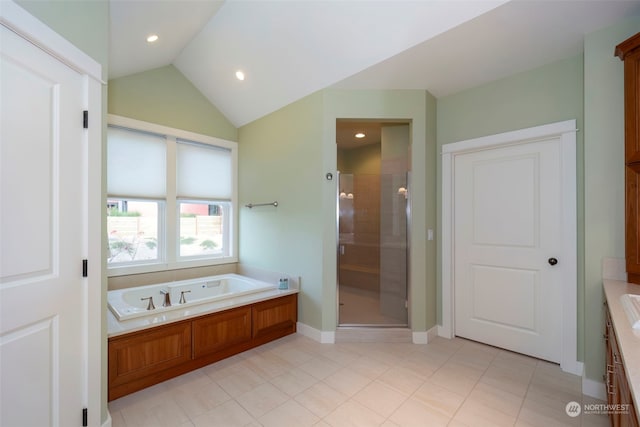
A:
217, 332
143, 358
274, 318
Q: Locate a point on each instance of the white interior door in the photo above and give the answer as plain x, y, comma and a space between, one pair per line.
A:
508, 244
43, 349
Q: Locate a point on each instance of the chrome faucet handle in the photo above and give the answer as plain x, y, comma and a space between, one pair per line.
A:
183, 300
167, 298
150, 306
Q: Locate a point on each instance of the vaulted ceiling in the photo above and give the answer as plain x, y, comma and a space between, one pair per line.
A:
290, 49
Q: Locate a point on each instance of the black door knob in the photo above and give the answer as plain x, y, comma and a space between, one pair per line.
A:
552, 261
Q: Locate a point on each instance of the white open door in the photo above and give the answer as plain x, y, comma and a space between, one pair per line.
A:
512, 272
48, 347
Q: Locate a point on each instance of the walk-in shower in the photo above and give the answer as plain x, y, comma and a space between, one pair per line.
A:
373, 200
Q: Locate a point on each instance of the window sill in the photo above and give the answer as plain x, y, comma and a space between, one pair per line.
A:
161, 267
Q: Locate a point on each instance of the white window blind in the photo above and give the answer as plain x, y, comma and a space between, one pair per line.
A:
136, 162
203, 172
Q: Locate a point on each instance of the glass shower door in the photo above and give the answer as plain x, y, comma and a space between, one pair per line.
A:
372, 252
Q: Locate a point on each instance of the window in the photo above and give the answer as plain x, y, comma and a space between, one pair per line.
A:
171, 198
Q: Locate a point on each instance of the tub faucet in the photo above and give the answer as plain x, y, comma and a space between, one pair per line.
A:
167, 298
150, 306
183, 300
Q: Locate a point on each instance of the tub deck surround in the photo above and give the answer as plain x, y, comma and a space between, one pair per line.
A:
628, 338
176, 313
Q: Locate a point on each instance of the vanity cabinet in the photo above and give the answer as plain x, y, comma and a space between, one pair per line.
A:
616, 384
629, 52
144, 358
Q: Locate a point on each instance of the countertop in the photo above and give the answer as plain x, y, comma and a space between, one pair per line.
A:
628, 338
116, 327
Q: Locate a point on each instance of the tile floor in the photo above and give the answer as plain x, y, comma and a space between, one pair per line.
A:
297, 382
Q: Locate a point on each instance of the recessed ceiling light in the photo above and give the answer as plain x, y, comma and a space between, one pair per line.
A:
240, 75
360, 135
152, 38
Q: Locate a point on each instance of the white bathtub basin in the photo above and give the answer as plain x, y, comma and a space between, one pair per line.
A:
631, 304
128, 303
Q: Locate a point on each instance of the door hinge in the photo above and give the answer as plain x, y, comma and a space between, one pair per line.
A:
85, 119
85, 268
85, 417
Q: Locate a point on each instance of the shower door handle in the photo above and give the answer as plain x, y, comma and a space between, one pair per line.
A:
341, 249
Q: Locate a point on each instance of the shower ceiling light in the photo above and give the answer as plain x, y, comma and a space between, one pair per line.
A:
240, 75
360, 135
152, 38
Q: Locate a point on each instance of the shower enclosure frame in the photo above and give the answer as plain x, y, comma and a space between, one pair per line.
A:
407, 284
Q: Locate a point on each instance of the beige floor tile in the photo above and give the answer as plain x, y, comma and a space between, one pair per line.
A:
199, 399
369, 367
165, 414
321, 399
439, 399
380, 398
240, 382
289, 414
475, 413
412, 413
229, 414
507, 378
116, 419
352, 413
347, 381
320, 367
457, 378
262, 399
195, 378
268, 365
537, 414
552, 397
402, 379
294, 381
497, 399
341, 355
225, 367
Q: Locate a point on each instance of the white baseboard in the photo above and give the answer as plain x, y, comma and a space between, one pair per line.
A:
426, 336
444, 332
594, 388
107, 422
573, 367
323, 337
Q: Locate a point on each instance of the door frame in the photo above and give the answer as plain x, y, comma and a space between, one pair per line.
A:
566, 130
33, 30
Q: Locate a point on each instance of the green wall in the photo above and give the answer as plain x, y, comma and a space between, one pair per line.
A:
548, 94
279, 159
603, 177
84, 23
164, 96
588, 88
285, 157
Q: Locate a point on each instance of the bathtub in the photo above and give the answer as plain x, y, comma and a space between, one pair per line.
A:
131, 303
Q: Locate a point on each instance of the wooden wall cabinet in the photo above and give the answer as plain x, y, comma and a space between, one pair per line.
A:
629, 52
616, 384
144, 358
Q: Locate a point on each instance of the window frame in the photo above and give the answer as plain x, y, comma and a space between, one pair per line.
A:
169, 226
